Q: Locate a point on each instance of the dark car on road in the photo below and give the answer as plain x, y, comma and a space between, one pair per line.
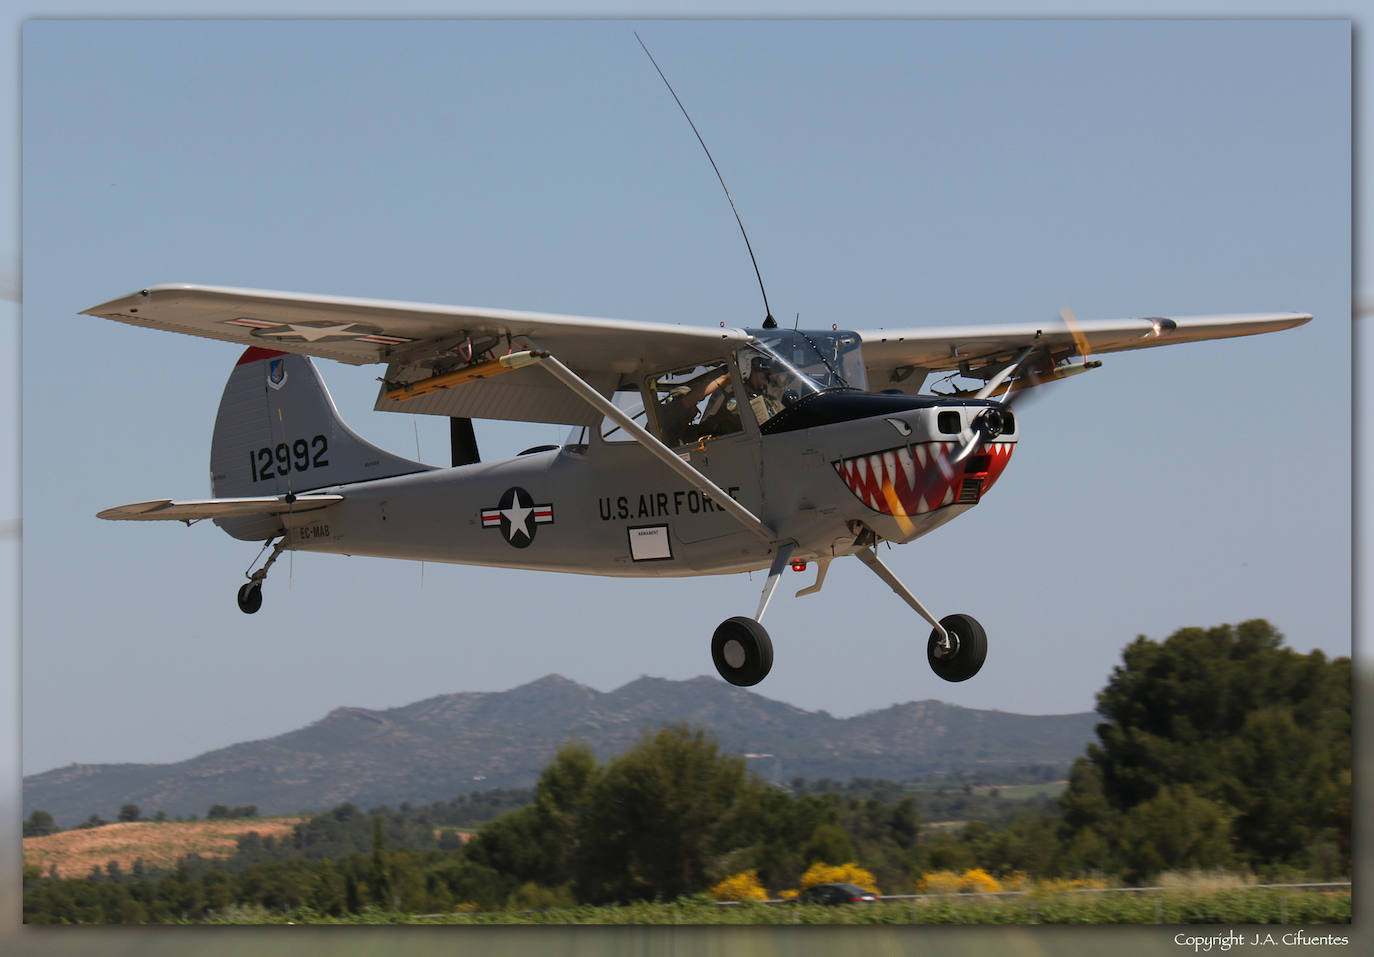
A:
836, 894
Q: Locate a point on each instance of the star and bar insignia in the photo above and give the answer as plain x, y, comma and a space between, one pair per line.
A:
316, 331
517, 516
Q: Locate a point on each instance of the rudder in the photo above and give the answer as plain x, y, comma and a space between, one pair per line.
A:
277, 431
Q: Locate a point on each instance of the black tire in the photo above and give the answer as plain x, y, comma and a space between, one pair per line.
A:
250, 597
742, 651
971, 647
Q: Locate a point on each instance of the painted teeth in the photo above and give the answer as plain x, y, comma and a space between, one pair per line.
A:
920, 476
908, 466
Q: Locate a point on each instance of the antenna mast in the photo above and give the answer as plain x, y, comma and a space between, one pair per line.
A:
768, 321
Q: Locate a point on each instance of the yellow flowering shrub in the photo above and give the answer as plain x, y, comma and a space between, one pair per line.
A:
1016, 881
850, 873
1059, 885
740, 887
975, 881
789, 895
938, 882
979, 881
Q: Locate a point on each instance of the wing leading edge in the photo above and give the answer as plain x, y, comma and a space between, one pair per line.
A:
194, 510
902, 358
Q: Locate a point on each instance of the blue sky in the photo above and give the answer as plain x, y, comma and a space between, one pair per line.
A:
890, 174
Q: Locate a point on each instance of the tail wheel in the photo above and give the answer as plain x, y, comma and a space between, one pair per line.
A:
250, 597
962, 656
742, 651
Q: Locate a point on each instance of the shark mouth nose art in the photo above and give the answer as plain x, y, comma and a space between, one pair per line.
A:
916, 479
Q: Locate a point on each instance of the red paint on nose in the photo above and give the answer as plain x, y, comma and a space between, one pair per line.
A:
997, 461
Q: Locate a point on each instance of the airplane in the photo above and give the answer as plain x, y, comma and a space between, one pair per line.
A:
692, 451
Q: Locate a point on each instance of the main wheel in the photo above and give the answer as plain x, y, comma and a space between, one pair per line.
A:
967, 648
250, 597
742, 651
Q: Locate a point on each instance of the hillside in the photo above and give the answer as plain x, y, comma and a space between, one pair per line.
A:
452, 744
159, 845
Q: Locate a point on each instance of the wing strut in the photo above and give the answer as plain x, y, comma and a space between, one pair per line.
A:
653, 446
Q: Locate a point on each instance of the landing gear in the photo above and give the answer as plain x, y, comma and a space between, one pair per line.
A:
250, 594
742, 651
250, 597
741, 648
957, 643
959, 653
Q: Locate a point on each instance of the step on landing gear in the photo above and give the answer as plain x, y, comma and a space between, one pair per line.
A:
957, 646
250, 594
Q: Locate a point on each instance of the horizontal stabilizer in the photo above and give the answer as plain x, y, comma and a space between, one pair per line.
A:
189, 511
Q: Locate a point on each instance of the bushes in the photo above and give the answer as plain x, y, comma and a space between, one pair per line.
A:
740, 887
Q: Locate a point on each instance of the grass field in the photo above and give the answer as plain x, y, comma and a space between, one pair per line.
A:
1254, 905
159, 843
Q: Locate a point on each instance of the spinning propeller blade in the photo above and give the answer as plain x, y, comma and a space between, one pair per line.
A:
1013, 384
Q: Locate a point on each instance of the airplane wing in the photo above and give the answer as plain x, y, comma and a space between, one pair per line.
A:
902, 358
194, 510
419, 341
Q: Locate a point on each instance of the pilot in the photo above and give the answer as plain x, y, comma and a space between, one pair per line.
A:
764, 403
680, 407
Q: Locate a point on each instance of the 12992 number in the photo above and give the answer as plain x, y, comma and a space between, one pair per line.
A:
298, 456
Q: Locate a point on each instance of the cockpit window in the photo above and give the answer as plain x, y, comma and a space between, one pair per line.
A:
782, 367
694, 403
629, 401
830, 360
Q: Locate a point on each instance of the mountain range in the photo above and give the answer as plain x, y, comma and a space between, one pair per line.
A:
441, 747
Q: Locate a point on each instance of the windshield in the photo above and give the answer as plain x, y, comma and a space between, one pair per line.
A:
819, 361
780, 368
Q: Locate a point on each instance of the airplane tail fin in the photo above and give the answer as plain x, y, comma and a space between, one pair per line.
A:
277, 432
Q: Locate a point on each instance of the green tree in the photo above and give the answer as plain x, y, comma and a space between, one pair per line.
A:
40, 824
659, 816
380, 877
829, 844
541, 843
129, 813
1248, 739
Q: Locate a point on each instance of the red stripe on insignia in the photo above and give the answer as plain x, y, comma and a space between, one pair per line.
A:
255, 353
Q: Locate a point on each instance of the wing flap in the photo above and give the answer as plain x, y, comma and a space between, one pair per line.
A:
195, 510
891, 356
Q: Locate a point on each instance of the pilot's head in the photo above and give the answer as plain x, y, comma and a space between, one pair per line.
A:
759, 371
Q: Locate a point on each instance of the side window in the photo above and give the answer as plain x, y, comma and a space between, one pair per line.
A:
693, 403
632, 403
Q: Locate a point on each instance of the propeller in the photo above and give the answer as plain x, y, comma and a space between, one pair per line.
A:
991, 422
